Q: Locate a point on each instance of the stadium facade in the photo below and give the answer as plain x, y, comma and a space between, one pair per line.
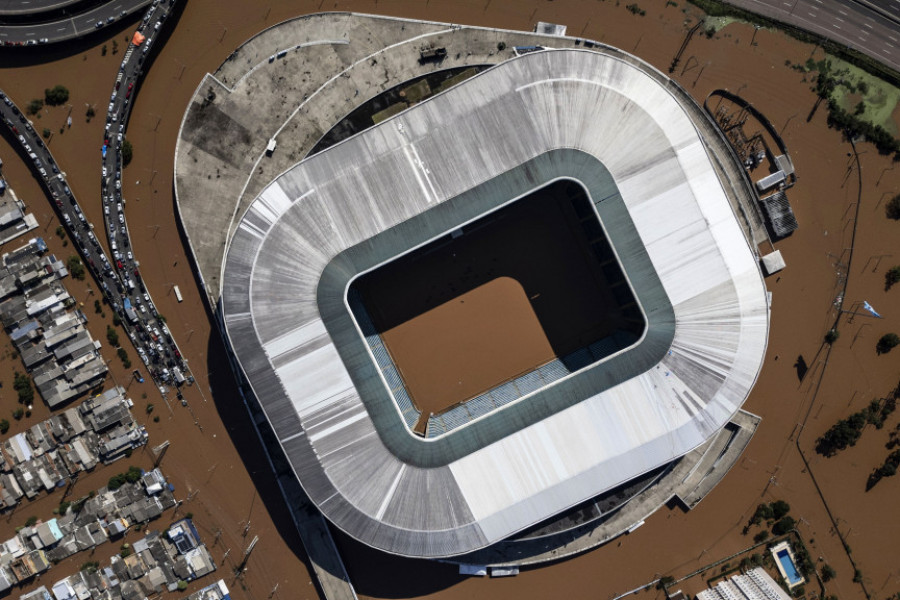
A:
613, 127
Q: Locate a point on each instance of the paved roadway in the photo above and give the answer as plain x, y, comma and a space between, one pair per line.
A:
118, 277
33, 7
870, 26
69, 27
159, 350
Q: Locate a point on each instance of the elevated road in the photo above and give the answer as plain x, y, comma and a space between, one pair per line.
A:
118, 276
33, 8
872, 27
69, 27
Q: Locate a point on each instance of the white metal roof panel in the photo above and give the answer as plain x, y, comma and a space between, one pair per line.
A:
613, 109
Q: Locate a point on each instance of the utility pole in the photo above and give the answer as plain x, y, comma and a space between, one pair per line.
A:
241, 567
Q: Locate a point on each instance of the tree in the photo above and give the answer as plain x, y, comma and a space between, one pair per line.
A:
34, 106
784, 525
892, 208
90, 567
779, 509
761, 536
76, 268
90, 113
891, 277
46, 133
22, 385
30, 521
127, 153
842, 434
832, 336
763, 513
124, 357
56, 96
4, 425
18, 413
112, 336
887, 342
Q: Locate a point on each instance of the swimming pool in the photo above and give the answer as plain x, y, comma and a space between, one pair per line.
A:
790, 570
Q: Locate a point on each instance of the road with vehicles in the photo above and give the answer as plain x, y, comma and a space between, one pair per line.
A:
870, 26
70, 26
33, 8
159, 349
118, 276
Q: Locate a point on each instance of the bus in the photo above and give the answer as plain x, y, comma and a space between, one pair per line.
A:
177, 293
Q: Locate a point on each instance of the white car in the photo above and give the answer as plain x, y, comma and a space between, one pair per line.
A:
121, 218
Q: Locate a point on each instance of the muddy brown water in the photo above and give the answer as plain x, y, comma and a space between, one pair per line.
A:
221, 466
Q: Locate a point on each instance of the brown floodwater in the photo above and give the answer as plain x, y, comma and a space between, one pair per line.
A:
215, 459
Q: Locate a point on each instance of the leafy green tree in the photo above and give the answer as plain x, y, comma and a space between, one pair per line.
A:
127, 153
832, 336
4, 425
56, 96
783, 525
842, 434
892, 208
75, 267
35, 106
780, 508
30, 521
891, 277
22, 385
887, 343
763, 513
112, 336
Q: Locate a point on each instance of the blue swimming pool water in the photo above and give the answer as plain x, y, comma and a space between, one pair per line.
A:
792, 574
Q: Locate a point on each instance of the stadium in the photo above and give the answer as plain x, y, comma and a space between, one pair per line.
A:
518, 295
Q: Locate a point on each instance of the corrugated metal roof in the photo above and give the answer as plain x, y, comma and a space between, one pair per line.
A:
606, 121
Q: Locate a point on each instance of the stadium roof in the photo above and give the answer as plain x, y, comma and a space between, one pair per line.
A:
605, 121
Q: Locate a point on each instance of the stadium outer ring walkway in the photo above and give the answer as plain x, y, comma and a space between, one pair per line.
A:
598, 104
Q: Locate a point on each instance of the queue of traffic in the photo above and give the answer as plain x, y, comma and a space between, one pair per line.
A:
119, 276
68, 26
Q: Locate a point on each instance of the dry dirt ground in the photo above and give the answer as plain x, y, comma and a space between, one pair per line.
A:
214, 455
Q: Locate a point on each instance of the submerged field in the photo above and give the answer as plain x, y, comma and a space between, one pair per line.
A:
214, 456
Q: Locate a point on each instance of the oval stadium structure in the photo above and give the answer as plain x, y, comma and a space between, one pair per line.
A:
541, 439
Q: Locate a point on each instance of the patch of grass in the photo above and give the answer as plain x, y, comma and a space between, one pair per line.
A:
717, 8
857, 86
